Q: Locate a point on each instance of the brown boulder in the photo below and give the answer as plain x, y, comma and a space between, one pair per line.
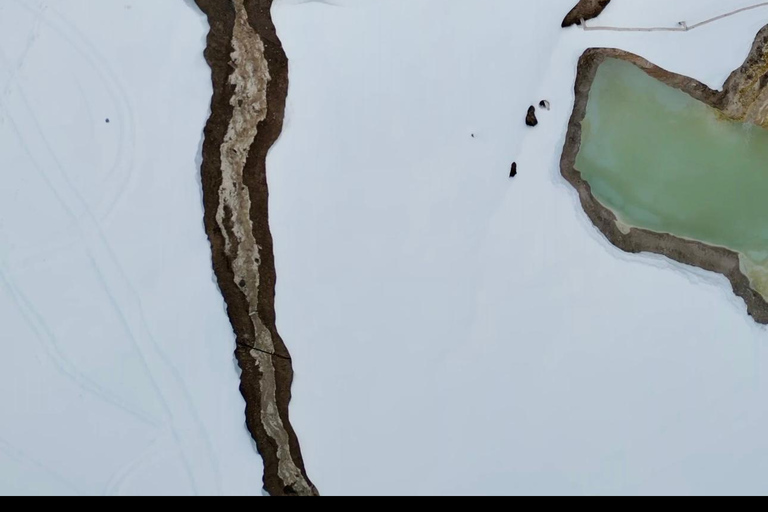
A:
530, 118
585, 10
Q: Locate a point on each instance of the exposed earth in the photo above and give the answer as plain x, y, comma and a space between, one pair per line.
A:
250, 82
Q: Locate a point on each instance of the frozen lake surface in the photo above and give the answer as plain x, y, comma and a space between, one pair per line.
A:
664, 161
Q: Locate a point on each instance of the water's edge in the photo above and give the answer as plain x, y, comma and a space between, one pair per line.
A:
744, 94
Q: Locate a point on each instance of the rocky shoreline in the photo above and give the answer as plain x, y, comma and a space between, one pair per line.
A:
250, 82
744, 97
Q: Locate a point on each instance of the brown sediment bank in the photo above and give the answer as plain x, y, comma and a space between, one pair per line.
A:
585, 10
744, 97
250, 81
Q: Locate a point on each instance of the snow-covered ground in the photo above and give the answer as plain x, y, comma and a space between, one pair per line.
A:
117, 373
455, 331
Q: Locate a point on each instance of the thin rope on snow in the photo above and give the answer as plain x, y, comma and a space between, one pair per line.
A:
683, 26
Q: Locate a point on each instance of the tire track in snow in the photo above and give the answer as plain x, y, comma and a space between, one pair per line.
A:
62, 364
24, 458
92, 234
152, 452
123, 167
31, 38
35, 320
94, 239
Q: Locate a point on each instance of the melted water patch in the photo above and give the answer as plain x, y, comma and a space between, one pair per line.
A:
664, 161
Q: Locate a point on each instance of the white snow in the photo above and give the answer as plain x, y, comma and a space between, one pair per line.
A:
117, 370
454, 331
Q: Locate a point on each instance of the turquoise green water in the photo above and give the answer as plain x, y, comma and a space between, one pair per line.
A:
663, 161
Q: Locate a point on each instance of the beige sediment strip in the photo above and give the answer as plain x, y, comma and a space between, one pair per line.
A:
249, 101
249, 72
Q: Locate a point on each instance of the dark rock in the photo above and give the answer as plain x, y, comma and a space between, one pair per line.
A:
585, 10
544, 104
530, 118
513, 170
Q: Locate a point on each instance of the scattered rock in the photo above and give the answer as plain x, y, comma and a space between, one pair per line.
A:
107, 120
513, 170
585, 10
530, 118
544, 104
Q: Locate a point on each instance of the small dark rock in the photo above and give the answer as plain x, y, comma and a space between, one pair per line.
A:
107, 120
513, 170
544, 104
242, 283
530, 118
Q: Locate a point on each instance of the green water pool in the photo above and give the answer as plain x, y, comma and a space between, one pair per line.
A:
664, 161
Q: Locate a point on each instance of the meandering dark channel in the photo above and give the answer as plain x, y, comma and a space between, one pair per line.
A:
250, 81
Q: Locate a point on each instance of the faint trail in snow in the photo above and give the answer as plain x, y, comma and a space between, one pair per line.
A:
92, 234
87, 218
165, 402
121, 475
62, 364
123, 167
31, 38
683, 27
21, 457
